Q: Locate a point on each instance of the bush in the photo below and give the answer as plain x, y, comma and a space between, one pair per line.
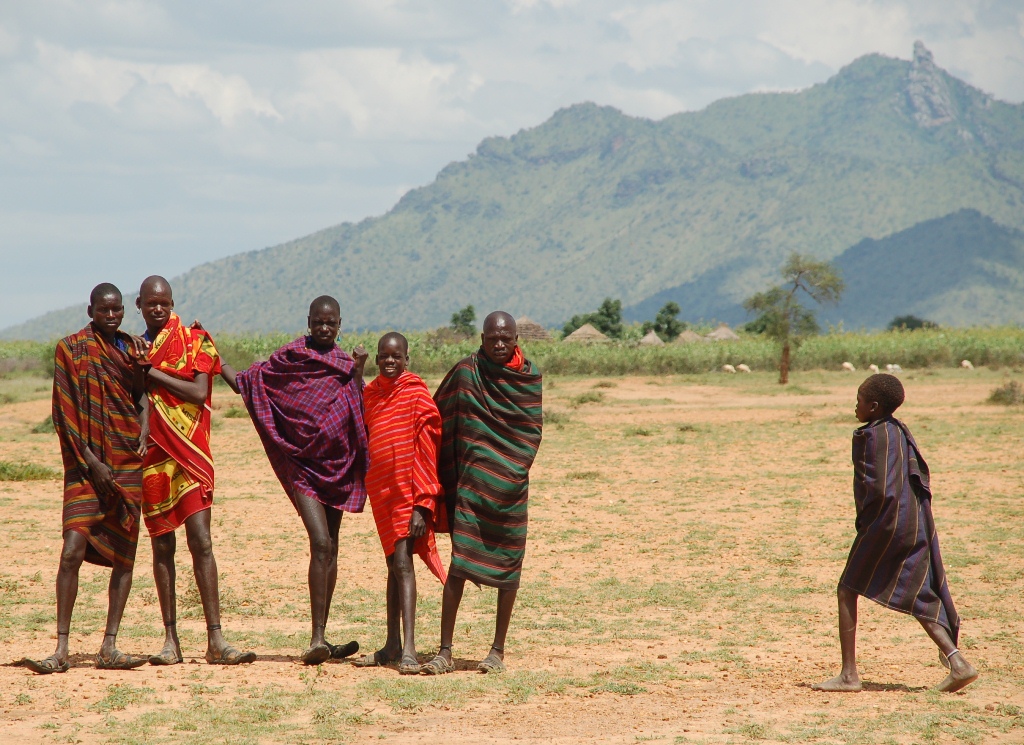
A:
20, 471
1010, 394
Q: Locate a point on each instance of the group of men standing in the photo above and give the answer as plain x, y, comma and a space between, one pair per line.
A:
133, 418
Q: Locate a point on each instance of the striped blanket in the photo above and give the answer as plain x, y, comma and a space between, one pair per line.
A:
491, 431
405, 433
895, 558
178, 473
93, 408
308, 410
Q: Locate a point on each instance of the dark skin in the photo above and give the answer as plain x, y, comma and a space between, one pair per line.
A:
106, 312
392, 360
156, 303
322, 523
498, 342
961, 672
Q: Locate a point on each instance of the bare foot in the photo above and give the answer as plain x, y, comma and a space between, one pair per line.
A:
957, 679
842, 682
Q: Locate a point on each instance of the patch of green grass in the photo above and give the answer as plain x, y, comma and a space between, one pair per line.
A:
640, 431
120, 696
236, 412
1008, 394
558, 418
605, 384
583, 475
44, 427
20, 471
588, 397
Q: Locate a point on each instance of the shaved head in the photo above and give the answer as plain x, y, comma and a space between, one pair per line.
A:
500, 319
325, 302
393, 336
887, 390
154, 283
102, 290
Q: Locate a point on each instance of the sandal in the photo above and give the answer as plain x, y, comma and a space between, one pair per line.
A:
341, 651
50, 665
316, 655
409, 665
491, 664
166, 657
120, 661
231, 656
437, 666
377, 659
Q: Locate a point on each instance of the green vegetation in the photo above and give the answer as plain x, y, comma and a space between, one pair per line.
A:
1008, 394
594, 203
19, 471
607, 319
782, 317
910, 323
666, 324
464, 321
44, 427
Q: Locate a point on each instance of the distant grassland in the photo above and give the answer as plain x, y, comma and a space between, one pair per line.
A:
944, 347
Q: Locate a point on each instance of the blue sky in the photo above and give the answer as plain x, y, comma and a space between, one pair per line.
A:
146, 136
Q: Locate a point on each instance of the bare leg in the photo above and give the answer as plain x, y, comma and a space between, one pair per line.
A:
848, 678
322, 525
450, 602
71, 557
961, 672
164, 547
506, 601
405, 580
117, 597
204, 565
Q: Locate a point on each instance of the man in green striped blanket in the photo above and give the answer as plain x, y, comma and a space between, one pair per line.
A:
490, 406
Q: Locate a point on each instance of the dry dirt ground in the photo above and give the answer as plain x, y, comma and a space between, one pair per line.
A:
686, 536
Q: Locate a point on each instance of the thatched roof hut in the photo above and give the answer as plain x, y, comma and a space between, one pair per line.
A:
723, 333
586, 334
531, 330
689, 337
651, 339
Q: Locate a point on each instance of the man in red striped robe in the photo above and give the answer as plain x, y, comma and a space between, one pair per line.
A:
402, 483
100, 414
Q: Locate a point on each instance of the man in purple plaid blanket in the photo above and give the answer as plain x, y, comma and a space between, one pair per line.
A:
306, 402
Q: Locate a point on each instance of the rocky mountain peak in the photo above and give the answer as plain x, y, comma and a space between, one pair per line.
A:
931, 103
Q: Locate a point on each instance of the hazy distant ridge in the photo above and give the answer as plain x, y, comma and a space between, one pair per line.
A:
594, 203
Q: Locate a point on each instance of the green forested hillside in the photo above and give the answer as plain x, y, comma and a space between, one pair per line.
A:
593, 203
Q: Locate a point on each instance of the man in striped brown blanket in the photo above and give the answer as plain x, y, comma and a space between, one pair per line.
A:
490, 406
895, 557
100, 414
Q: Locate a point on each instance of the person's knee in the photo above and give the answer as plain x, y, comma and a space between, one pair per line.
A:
163, 548
321, 548
200, 543
72, 554
402, 566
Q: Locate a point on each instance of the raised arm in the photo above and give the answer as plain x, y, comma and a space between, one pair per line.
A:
359, 354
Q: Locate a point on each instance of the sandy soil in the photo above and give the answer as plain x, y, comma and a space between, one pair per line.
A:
686, 538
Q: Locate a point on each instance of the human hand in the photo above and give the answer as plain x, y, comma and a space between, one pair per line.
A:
140, 350
360, 355
197, 326
102, 479
417, 523
143, 441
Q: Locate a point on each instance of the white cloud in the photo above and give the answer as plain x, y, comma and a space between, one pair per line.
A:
133, 128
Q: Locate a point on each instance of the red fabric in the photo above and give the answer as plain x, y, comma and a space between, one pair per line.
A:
405, 433
517, 360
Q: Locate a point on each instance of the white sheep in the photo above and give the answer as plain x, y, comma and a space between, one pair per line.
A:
848, 366
966, 365
728, 369
893, 369
742, 368
873, 368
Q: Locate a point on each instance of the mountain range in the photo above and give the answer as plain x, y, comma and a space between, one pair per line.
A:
899, 171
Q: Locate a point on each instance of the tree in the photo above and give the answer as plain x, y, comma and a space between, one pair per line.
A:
782, 316
607, 319
464, 321
666, 325
910, 323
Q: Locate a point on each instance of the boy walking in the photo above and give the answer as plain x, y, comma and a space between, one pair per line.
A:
895, 557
